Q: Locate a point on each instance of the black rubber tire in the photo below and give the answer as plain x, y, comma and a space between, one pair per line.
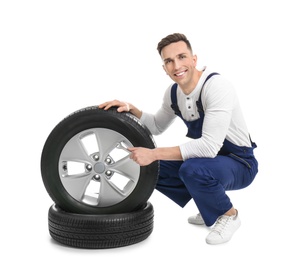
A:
100, 231
92, 117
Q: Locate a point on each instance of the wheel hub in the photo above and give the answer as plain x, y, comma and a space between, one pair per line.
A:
99, 167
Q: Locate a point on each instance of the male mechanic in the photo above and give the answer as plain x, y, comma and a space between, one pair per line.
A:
219, 157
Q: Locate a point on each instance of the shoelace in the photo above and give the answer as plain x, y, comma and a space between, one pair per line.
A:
221, 224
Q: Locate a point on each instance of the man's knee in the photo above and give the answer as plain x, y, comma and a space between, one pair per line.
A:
194, 170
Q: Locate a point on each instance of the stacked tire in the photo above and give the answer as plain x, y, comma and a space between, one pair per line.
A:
100, 195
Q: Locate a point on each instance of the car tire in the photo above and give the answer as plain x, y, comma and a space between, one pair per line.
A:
89, 148
100, 231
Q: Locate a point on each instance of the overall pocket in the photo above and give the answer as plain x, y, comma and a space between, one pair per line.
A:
240, 159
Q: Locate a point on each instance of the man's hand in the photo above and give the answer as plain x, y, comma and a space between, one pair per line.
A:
122, 106
145, 156
142, 156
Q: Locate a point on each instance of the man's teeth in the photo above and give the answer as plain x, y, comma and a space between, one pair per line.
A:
180, 74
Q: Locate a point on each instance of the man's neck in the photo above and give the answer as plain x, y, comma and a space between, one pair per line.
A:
192, 85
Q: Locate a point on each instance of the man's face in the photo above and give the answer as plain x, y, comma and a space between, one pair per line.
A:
179, 63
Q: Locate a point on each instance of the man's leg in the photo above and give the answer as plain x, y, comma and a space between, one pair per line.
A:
207, 179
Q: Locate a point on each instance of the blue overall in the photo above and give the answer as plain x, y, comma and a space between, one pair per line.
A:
206, 180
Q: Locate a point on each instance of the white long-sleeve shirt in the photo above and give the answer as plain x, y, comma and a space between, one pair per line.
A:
223, 117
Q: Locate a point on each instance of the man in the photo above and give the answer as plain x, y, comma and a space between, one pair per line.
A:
219, 156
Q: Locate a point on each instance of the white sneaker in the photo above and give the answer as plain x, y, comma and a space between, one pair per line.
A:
196, 220
223, 229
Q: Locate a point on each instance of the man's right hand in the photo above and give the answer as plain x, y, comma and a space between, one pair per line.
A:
121, 107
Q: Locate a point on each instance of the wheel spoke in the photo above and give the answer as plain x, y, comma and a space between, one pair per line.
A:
76, 185
74, 151
109, 194
127, 167
107, 141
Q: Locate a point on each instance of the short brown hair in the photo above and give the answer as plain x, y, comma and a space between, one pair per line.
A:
175, 37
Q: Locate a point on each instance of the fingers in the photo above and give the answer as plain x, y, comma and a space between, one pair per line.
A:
141, 155
131, 149
122, 106
109, 104
133, 156
126, 107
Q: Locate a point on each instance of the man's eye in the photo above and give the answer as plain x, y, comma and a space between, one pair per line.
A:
182, 56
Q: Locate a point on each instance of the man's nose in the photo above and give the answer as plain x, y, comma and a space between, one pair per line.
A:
177, 64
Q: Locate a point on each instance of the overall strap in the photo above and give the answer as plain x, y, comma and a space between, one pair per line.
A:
174, 100
173, 93
198, 102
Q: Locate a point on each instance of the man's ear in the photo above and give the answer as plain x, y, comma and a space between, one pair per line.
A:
195, 60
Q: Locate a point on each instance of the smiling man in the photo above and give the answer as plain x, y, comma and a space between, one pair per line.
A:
219, 156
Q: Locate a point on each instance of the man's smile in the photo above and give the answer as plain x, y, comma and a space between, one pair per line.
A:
180, 74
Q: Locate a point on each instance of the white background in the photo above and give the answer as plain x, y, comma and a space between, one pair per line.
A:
59, 56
